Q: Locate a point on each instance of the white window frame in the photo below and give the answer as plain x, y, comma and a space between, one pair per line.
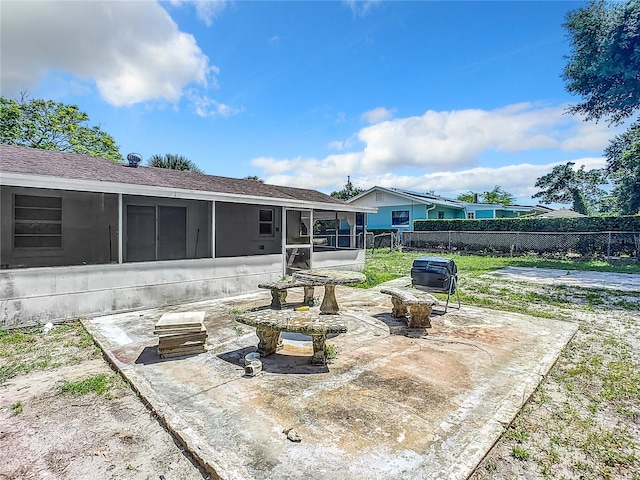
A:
271, 222
400, 224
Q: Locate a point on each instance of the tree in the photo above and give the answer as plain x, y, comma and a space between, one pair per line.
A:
498, 196
623, 167
604, 69
254, 177
348, 191
49, 125
605, 62
566, 185
468, 197
174, 162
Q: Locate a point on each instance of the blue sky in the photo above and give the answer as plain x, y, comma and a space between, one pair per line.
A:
447, 97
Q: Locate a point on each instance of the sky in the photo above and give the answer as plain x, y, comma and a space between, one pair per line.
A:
444, 97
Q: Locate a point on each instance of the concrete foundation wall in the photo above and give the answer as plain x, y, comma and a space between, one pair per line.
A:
33, 296
340, 260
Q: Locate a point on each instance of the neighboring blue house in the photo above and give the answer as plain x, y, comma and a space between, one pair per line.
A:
398, 208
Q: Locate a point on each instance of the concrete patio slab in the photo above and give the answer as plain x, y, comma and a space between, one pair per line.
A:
396, 403
625, 282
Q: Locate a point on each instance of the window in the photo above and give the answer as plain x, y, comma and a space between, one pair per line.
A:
148, 240
471, 215
37, 222
440, 215
266, 222
400, 217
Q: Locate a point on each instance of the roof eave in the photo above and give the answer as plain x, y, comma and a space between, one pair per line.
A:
62, 183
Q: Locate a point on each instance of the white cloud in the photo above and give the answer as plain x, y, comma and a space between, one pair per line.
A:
207, 10
447, 141
440, 151
309, 172
377, 115
205, 106
454, 139
518, 180
133, 51
360, 7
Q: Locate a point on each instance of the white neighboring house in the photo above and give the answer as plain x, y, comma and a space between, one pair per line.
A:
81, 235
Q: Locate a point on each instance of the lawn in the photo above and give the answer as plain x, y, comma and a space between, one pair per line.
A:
384, 265
583, 421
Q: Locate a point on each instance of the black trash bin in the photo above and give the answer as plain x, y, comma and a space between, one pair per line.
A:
435, 274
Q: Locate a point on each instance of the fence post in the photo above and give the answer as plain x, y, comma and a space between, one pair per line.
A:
449, 247
517, 241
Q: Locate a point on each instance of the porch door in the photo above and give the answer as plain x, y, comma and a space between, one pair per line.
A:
141, 233
148, 240
172, 232
298, 228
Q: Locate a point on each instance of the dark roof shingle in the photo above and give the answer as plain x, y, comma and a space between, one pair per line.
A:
82, 167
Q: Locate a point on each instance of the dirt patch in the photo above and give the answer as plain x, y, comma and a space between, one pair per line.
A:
46, 433
583, 421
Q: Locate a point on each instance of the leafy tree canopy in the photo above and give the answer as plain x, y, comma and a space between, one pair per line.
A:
604, 67
49, 125
254, 177
466, 197
566, 185
623, 167
174, 162
348, 191
497, 196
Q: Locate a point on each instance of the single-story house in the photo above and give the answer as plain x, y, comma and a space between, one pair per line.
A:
397, 209
81, 235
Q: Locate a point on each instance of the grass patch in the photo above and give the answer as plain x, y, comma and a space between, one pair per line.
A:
16, 408
331, 351
384, 265
520, 453
238, 329
99, 384
28, 349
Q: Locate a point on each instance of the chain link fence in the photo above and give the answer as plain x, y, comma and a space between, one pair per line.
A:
390, 240
597, 244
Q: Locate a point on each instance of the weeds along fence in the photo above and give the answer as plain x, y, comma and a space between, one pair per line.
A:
390, 240
597, 244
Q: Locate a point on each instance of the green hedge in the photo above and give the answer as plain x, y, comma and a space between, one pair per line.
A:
581, 224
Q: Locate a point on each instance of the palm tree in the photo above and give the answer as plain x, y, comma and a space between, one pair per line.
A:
174, 162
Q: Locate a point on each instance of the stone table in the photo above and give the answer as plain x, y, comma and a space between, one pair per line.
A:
270, 323
330, 278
